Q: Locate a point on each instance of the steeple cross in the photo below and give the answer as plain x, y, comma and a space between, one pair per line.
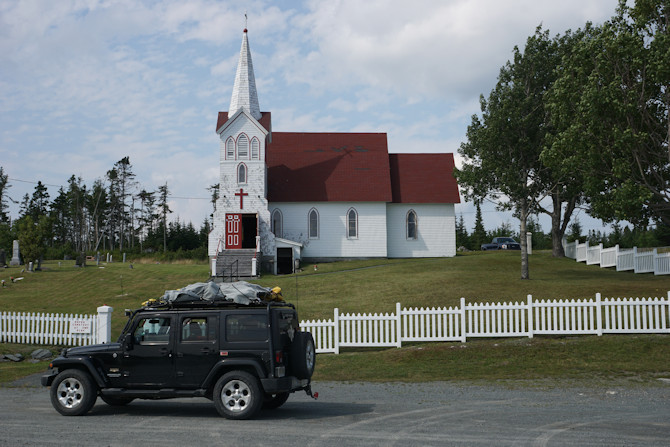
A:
241, 195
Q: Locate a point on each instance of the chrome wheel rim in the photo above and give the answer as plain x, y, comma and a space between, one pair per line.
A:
310, 356
236, 396
70, 393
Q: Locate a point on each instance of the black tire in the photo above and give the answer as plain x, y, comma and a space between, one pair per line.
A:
116, 401
73, 393
273, 401
238, 395
303, 355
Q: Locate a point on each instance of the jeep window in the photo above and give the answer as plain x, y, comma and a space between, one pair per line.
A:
246, 327
152, 331
194, 329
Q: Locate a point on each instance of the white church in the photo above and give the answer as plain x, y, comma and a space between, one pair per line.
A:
292, 197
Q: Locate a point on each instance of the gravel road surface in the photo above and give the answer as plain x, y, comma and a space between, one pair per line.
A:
360, 414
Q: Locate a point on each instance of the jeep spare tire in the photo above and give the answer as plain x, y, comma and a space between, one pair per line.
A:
303, 355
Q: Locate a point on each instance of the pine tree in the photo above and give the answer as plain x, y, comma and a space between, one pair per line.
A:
479, 234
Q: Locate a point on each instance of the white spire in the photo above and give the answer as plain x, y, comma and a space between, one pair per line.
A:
244, 91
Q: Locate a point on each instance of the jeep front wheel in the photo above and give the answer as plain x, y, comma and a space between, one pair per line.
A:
73, 393
237, 395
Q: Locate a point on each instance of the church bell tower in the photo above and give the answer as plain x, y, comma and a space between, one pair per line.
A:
241, 227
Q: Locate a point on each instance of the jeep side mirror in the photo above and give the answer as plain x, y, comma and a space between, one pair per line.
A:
128, 342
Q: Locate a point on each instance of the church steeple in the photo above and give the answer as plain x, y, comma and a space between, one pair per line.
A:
244, 91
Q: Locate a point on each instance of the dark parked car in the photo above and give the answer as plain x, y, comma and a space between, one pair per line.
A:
243, 357
502, 243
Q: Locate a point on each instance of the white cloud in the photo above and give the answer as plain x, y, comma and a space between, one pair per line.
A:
85, 83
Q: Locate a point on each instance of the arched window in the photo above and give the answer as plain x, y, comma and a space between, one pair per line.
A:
411, 225
242, 147
276, 223
241, 173
352, 224
230, 149
255, 149
313, 223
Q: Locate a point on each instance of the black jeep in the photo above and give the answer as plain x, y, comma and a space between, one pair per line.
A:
244, 357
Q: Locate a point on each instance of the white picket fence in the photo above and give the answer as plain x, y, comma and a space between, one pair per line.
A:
639, 260
56, 329
525, 319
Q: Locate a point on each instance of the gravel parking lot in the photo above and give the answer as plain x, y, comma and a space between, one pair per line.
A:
360, 414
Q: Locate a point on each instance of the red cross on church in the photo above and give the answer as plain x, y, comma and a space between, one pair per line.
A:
241, 194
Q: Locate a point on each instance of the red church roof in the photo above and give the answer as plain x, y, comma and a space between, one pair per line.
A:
334, 167
423, 178
354, 167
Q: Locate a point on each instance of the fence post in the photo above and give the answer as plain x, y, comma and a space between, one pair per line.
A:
599, 315
105, 324
336, 332
463, 320
398, 320
530, 316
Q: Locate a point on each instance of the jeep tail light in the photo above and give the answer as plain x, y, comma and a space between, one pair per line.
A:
279, 357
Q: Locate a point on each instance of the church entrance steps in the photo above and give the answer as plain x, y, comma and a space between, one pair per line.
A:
234, 264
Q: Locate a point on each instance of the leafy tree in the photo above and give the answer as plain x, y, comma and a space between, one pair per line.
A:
502, 152
31, 237
610, 104
503, 230
575, 231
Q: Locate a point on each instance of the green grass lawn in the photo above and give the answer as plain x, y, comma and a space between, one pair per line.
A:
375, 286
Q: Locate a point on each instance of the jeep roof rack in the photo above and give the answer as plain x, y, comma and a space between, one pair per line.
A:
206, 304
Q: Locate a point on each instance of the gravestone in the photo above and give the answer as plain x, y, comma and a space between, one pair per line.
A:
15, 254
3, 258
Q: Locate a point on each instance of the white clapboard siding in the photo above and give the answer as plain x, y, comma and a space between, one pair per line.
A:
332, 240
435, 230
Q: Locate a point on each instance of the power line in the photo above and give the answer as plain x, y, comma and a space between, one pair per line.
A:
34, 183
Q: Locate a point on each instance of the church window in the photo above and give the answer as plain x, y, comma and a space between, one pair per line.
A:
277, 223
242, 146
230, 149
313, 224
352, 223
255, 149
411, 225
241, 173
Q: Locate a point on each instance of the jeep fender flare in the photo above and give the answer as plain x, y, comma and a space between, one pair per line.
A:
223, 366
82, 363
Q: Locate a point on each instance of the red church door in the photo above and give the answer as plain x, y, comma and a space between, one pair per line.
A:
233, 231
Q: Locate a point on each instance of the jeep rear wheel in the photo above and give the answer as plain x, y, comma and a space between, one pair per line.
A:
303, 355
237, 395
273, 401
73, 393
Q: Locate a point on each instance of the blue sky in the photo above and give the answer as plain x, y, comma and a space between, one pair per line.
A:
85, 83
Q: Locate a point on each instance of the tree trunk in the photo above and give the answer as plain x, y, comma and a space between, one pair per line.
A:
523, 217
